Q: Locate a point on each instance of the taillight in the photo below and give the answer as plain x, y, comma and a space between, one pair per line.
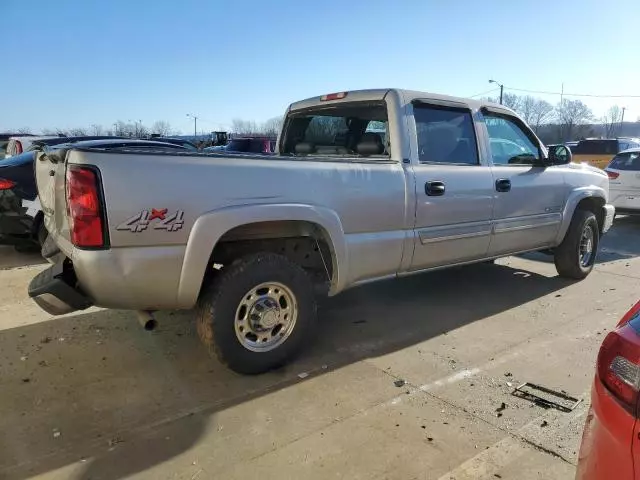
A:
83, 206
612, 175
6, 184
618, 363
18, 147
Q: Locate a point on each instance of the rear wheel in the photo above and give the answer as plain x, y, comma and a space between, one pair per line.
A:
258, 313
576, 255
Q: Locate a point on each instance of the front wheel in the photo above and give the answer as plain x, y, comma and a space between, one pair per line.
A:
258, 313
576, 255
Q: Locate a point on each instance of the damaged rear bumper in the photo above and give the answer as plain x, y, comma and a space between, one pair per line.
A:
55, 292
609, 215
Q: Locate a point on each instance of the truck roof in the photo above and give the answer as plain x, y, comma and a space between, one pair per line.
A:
378, 94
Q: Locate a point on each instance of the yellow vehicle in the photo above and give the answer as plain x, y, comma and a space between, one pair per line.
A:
598, 152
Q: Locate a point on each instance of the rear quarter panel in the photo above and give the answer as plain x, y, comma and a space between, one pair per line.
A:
362, 204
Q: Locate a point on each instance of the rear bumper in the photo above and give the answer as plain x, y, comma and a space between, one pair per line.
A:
609, 214
628, 211
606, 448
54, 291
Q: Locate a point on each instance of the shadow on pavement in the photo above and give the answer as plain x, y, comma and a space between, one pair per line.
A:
95, 386
622, 242
10, 258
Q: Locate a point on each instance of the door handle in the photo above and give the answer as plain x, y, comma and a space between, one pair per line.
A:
503, 185
434, 188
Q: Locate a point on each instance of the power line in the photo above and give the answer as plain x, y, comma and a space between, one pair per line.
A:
570, 94
484, 93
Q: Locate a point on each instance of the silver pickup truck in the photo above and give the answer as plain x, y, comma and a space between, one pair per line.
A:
366, 185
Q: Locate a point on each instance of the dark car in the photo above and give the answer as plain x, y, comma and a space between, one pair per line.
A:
176, 141
251, 145
52, 142
20, 213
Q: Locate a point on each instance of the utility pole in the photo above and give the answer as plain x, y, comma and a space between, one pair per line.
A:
622, 117
195, 124
501, 88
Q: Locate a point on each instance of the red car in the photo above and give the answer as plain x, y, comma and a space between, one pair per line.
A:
611, 440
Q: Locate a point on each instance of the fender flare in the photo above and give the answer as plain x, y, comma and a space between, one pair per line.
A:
575, 197
211, 226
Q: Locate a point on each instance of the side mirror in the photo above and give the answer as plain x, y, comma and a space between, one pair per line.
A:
559, 155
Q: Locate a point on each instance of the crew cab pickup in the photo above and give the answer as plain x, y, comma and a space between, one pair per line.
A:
365, 185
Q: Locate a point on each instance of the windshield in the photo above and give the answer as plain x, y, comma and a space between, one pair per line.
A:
358, 129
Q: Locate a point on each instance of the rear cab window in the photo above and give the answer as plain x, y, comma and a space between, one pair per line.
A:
357, 129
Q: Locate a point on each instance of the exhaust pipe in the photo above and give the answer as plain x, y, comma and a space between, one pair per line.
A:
146, 319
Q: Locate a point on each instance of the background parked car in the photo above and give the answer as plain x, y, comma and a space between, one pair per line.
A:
20, 144
609, 449
248, 145
4, 143
599, 151
624, 181
176, 141
20, 211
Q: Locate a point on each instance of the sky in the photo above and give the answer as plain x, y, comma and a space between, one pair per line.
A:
73, 63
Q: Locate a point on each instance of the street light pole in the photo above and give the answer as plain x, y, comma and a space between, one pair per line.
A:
501, 88
195, 124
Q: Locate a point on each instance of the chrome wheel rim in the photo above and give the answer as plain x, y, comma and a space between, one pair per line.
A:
586, 246
266, 316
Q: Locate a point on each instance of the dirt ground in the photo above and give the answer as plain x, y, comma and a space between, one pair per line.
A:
407, 379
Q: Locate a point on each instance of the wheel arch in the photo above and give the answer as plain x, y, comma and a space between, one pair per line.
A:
589, 198
259, 222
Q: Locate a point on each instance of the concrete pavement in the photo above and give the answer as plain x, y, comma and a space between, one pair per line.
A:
92, 395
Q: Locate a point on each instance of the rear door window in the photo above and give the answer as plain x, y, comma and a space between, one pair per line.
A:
626, 161
445, 135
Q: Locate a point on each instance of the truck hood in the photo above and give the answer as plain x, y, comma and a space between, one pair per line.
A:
586, 167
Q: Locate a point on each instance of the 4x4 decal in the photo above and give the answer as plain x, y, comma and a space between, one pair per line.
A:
171, 222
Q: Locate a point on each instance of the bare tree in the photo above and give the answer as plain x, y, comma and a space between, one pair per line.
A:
541, 112
24, 130
525, 108
243, 127
97, 129
78, 132
162, 128
512, 101
123, 129
611, 121
571, 115
272, 126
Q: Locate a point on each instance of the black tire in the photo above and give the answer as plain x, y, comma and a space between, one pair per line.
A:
220, 301
567, 256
